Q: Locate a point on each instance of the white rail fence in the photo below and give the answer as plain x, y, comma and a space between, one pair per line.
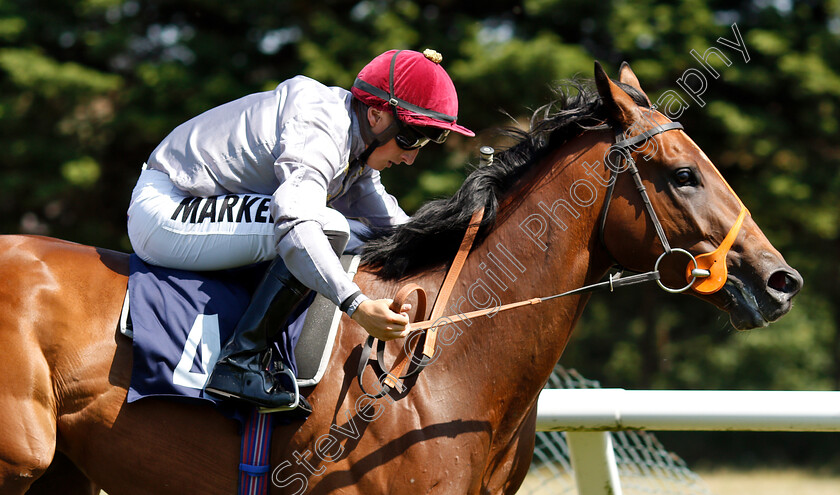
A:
588, 415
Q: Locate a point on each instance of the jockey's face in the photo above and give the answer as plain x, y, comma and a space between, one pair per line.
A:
389, 153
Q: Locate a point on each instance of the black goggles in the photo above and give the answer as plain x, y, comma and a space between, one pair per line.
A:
411, 137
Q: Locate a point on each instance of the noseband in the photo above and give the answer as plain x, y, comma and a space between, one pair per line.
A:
705, 273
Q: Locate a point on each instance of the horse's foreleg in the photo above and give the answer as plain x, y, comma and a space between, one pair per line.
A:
63, 477
506, 474
27, 420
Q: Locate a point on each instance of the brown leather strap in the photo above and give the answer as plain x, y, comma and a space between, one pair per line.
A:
474, 314
393, 379
402, 296
451, 278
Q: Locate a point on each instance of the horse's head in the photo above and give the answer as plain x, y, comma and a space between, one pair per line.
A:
697, 210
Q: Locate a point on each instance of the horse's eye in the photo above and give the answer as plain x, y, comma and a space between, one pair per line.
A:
685, 177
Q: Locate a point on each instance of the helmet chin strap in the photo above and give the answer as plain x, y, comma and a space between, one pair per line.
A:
371, 139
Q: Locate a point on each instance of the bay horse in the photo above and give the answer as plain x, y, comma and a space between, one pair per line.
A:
559, 215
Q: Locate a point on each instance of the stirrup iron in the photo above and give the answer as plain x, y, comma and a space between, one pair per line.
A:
276, 369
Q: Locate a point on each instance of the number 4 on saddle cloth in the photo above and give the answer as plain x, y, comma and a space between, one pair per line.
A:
179, 320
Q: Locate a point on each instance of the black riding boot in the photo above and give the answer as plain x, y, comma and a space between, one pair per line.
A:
241, 370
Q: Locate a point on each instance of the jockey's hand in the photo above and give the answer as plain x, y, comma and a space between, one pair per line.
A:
375, 316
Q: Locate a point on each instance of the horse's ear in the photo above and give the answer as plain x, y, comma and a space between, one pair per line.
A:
622, 109
628, 77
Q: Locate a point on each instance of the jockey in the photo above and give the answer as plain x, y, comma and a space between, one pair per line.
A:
275, 176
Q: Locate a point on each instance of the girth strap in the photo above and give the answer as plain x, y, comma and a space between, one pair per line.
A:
254, 463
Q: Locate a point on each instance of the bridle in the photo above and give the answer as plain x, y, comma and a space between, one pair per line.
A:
705, 273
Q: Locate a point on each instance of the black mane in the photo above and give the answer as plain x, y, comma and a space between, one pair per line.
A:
433, 234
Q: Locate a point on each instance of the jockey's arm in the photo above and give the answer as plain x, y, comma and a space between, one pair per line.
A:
302, 218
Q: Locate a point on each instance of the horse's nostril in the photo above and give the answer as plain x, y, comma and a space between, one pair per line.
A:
783, 282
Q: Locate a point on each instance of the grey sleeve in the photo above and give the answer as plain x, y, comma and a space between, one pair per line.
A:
301, 216
308, 254
368, 201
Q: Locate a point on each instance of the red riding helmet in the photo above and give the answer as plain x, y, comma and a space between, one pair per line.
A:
414, 86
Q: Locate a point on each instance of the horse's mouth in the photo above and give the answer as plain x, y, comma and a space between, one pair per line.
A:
744, 310
749, 310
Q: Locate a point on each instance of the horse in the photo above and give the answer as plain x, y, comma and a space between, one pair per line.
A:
559, 214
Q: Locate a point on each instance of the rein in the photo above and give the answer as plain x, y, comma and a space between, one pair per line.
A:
705, 274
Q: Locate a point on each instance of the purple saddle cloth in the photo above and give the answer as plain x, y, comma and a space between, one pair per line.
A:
181, 320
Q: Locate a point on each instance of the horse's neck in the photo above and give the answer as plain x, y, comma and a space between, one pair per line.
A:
512, 353
525, 343
516, 350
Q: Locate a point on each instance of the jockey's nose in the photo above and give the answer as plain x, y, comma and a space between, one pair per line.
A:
408, 156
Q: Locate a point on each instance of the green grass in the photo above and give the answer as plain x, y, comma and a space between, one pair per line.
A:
771, 481
722, 481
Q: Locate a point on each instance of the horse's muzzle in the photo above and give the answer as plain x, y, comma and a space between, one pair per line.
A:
756, 301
